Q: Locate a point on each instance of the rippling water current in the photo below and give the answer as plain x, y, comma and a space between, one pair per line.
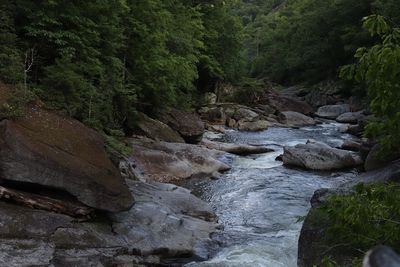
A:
260, 203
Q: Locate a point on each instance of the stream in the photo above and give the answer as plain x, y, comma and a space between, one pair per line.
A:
261, 203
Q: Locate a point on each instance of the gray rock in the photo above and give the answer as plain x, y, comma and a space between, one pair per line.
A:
253, 126
244, 114
350, 117
188, 125
166, 218
215, 115
381, 256
210, 98
238, 149
157, 130
167, 221
376, 160
332, 111
388, 173
173, 162
296, 119
317, 156
351, 145
281, 103
47, 149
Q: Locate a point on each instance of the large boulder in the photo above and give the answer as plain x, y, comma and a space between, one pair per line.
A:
173, 162
213, 114
47, 149
253, 126
291, 118
245, 114
351, 117
381, 256
166, 218
166, 222
332, 111
281, 103
318, 156
376, 159
157, 130
188, 125
238, 149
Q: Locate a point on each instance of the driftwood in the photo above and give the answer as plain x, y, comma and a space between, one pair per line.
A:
45, 203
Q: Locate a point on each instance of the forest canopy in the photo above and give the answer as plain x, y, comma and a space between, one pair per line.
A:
102, 60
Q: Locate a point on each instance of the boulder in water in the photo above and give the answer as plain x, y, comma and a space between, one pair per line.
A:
351, 117
173, 162
166, 222
318, 156
253, 126
332, 111
238, 149
244, 114
291, 118
381, 256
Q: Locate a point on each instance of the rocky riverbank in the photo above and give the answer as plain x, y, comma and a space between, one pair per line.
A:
64, 202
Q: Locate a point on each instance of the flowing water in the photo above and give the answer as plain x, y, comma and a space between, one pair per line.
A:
261, 203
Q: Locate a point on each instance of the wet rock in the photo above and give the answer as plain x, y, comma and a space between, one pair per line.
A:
47, 149
157, 130
167, 217
296, 119
350, 117
173, 162
166, 221
244, 114
388, 173
376, 160
215, 115
318, 156
332, 111
381, 256
313, 241
351, 145
188, 125
238, 149
210, 98
253, 126
281, 103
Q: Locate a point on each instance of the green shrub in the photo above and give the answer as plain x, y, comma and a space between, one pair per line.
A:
366, 218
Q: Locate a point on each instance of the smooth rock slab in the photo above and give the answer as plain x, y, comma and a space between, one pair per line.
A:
47, 149
296, 119
332, 111
318, 156
253, 126
173, 162
157, 130
238, 149
350, 117
188, 125
166, 221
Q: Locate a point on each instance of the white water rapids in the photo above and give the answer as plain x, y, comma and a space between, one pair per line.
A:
260, 203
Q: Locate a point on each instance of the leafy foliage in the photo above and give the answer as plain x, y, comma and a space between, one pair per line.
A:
368, 217
102, 60
379, 68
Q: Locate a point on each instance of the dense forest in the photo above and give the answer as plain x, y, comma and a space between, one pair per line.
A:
107, 63
101, 61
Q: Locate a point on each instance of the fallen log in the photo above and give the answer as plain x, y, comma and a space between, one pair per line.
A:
45, 203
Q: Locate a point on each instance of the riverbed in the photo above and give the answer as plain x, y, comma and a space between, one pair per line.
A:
260, 203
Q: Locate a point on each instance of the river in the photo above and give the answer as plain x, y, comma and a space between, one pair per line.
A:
261, 203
